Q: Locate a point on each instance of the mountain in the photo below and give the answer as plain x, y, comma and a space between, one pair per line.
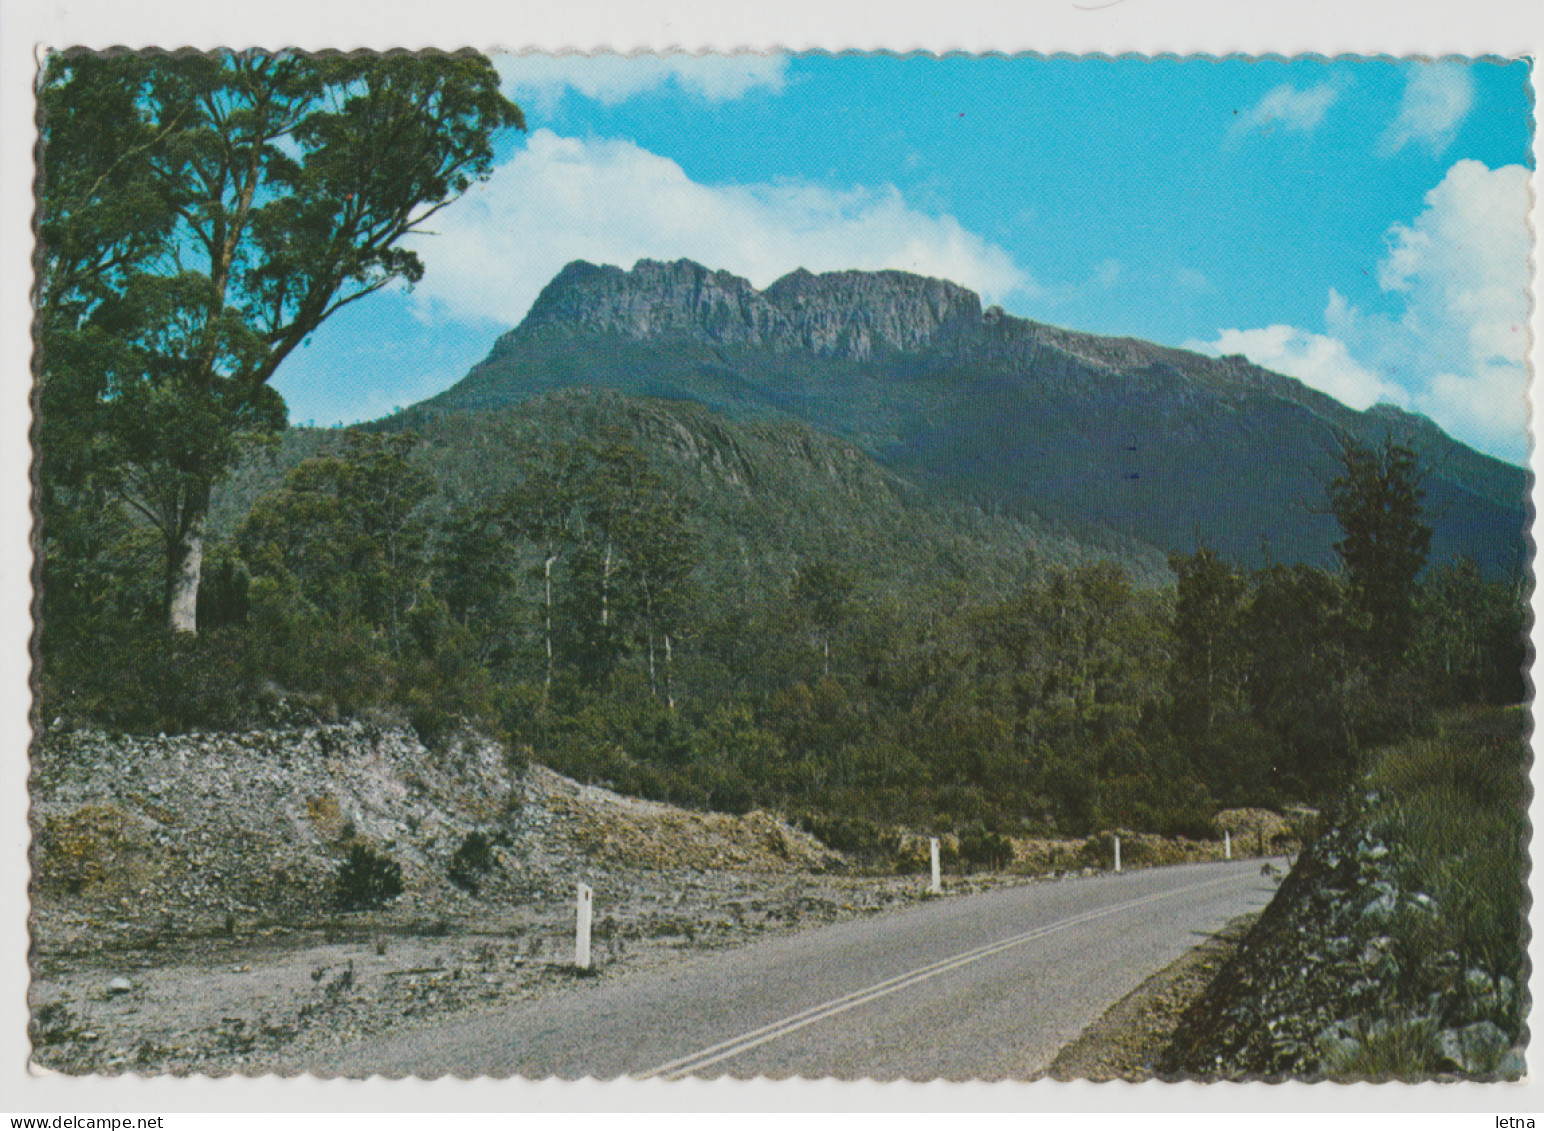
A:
1159, 444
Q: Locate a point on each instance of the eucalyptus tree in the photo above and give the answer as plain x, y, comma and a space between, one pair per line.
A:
476, 571
1377, 500
346, 534
822, 591
544, 507
660, 557
200, 215
1207, 673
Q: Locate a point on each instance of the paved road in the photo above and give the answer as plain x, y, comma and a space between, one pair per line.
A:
982, 987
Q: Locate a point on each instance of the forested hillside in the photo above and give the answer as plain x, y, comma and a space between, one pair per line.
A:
732, 615
872, 556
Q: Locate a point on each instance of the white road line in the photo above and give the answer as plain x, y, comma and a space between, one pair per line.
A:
724, 1050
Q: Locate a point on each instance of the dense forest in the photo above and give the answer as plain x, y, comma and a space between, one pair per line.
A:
736, 618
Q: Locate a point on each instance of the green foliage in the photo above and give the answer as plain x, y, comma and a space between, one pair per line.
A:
971, 682
99, 573
336, 660
982, 848
822, 592
858, 837
201, 215
1456, 804
476, 571
1175, 805
1376, 500
1471, 636
1298, 675
225, 596
473, 860
344, 534
1393, 1050
147, 679
1206, 676
367, 879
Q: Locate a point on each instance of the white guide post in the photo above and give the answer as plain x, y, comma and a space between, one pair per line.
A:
1227, 845
582, 934
937, 887
1117, 854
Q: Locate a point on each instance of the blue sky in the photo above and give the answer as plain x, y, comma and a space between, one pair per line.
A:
1359, 224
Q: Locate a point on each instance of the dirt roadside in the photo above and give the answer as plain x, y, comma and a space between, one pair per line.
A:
1126, 1042
274, 1000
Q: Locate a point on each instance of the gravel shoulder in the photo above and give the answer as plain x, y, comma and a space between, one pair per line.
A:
1126, 1043
280, 998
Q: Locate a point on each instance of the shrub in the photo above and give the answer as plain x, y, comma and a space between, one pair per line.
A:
856, 836
1456, 808
148, 679
1172, 807
367, 879
473, 861
432, 724
979, 847
731, 795
1397, 1050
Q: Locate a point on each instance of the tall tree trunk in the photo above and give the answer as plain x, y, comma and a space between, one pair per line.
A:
185, 564
547, 570
605, 588
648, 620
669, 686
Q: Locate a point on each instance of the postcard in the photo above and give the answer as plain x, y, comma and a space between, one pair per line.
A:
783, 565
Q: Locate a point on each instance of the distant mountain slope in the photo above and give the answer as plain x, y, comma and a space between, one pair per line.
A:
764, 497
767, 496
1157, 443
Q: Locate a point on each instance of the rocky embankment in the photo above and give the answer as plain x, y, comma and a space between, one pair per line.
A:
144, 836
186, 912
1345, 976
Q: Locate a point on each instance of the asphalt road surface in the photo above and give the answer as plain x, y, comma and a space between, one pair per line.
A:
982, 987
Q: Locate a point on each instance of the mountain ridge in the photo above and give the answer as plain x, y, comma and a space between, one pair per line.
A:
1162, 444
844, 314
850, 315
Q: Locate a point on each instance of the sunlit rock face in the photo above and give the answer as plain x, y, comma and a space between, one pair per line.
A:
854, 315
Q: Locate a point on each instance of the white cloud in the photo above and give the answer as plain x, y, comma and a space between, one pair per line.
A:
1192, 280
1286, 107
610, 78
1462, 267
1108, 273
561, 199
1437, 99
1456, 347
1315, 359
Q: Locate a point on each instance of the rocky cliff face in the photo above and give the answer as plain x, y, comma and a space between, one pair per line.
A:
859, 316
854, 315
